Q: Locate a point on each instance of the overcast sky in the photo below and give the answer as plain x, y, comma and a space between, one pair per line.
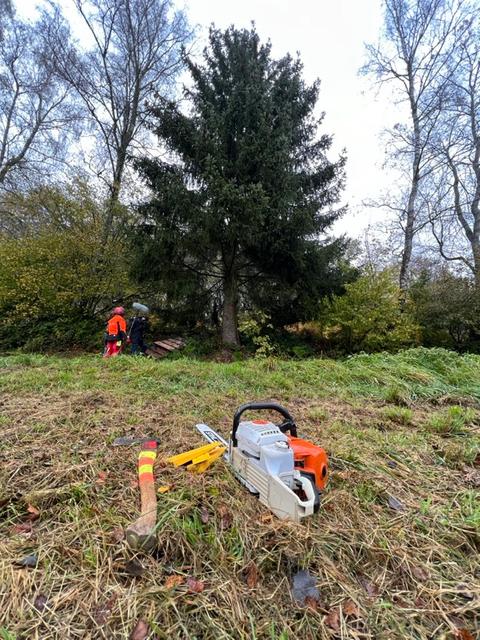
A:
330, 37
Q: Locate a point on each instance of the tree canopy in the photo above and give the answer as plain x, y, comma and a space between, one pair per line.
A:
240, 209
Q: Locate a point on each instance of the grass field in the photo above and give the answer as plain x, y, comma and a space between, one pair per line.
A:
394, 550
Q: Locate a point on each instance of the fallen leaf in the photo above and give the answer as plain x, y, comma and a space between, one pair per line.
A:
23, 527
252, 575
225, 517
464, 592
40, 602
102, 476
173, 581
420, 574
29, 561
370, 587
103, 612
265, 518
164, 488
304, 586
33, 512
332, 620
395, 504
349, 608
311, 603
463, 634
140, 632
472, 478
118, 534
134, 568
195, 586
204, 515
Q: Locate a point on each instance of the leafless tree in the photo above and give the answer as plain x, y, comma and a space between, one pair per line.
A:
135, 53
413, 57
35, 110
454, 213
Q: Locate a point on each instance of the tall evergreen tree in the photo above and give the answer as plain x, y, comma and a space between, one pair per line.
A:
239, 210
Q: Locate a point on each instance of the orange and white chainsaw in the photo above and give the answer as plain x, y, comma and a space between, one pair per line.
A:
271, 461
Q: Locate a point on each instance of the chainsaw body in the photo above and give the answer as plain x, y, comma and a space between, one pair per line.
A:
284, 471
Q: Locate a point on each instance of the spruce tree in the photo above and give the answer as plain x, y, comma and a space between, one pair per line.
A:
240, 208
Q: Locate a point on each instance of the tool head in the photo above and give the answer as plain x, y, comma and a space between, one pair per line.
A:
141, 308
125, 441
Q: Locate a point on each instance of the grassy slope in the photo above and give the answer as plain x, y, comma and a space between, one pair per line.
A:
404, 426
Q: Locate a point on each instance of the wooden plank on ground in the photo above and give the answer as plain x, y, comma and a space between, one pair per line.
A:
163, 345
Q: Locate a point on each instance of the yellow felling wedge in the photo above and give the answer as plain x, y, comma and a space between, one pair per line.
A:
202, 464
192, 455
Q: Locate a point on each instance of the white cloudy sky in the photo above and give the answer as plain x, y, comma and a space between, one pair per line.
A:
330, 37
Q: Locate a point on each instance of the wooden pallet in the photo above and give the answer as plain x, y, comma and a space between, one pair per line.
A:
161, 348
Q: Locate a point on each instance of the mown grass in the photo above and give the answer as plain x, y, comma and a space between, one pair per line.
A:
402, 427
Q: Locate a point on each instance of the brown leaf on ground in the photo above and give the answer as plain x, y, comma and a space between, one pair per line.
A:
134, 568
195, 586
140, 632
40, 602
33, 512
204, 515
265, 518
312, 603
332, 620
420, 574
252, 575
22, 527
463, 634
350, 608
472, 478
226, 517
464, 592
103, 612
102, 476
173, 581
370, 587
118, 534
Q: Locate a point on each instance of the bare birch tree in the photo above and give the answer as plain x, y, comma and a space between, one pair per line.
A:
455, 213
35, 109
413, 57
135, 53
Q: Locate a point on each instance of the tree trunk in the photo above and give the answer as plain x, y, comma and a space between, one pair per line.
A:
408, 236
417, 155
229, 320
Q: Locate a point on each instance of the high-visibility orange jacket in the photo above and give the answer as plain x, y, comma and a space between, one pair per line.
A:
116, 325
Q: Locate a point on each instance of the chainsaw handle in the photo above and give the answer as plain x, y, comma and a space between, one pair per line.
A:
288, 425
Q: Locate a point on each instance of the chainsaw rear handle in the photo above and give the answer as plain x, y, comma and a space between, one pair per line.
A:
288, 425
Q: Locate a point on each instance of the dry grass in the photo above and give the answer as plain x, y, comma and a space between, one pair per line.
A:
381, 573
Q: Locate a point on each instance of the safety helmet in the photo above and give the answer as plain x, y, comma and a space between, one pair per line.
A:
119, 311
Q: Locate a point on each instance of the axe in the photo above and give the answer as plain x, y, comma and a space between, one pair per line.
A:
142, 534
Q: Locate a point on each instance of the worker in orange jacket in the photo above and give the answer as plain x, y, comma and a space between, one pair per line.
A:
116, 333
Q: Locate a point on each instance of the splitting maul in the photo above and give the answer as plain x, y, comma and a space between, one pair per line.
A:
286, 472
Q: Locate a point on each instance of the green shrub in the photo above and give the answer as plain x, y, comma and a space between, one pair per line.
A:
369, 317
58, 277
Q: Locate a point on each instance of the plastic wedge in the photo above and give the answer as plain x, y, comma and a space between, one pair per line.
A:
204, 462
193, 455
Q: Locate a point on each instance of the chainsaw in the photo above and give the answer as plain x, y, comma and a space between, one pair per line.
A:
272, 462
